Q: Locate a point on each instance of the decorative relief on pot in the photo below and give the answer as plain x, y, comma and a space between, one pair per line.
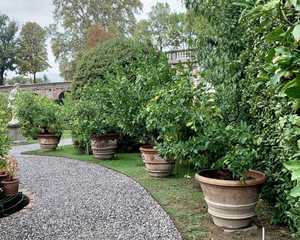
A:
104, 147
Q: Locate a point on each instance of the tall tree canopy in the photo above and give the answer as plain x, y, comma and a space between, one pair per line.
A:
32, 52
75, 17
8, 43
96, 34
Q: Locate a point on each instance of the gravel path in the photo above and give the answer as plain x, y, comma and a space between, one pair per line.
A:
77, 200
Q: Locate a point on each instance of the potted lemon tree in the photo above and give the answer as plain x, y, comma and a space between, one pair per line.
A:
231, 188
90, 118
170, 114
40, 119
192, 131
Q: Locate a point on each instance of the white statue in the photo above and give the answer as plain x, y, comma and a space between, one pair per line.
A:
12, 105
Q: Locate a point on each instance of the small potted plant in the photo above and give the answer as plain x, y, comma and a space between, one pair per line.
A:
40, 119
10, 186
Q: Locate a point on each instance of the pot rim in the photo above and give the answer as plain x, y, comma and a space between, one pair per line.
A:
259, 179
148, 149
15, 180
47, 135
109, 135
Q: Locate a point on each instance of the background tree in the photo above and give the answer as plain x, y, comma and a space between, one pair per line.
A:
96, 34
142, 32
163, 29
8, 45
75, 17
159, 21
32, 53
25, 80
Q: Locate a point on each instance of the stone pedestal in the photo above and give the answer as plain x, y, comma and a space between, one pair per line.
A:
14, 133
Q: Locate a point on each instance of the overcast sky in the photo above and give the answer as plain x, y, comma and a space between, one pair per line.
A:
40, 11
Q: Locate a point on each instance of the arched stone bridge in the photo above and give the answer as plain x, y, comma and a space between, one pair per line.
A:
54, 91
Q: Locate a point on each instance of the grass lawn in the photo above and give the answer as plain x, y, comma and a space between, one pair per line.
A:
179, 196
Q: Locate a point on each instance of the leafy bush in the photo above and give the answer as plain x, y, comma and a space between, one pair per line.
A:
4, 106
192, 130
91, 114
116, 79
3, 164
249, 52
108, 58
4, 141
38, 115
130, 96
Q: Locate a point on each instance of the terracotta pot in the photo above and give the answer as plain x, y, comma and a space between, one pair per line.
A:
231, 203
104, 147
10, 187
155, 165
3, 176
48, 141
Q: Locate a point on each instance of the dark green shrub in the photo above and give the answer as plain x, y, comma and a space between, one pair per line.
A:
108, 58
38, 115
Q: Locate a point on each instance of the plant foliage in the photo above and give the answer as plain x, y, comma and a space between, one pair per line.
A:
4, 118
250, 54
38, 114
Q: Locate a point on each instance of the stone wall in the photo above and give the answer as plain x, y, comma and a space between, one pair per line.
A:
51, 90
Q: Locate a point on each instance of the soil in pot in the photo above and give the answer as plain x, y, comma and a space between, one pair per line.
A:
48, 141
104, 147
156, 165
10, 187
231, 203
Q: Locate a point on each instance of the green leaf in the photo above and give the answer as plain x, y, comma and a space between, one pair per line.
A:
296, 175
293, 92
295, 192
292, 165
296, 32
296, 4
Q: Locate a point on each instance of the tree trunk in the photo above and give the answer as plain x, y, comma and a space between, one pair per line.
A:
1, 77
34, 77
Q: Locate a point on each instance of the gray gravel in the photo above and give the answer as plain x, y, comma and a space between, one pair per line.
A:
76, 200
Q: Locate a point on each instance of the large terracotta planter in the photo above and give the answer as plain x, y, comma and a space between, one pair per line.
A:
104, 146
156, 165
48, 141
10, 187
231, 203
